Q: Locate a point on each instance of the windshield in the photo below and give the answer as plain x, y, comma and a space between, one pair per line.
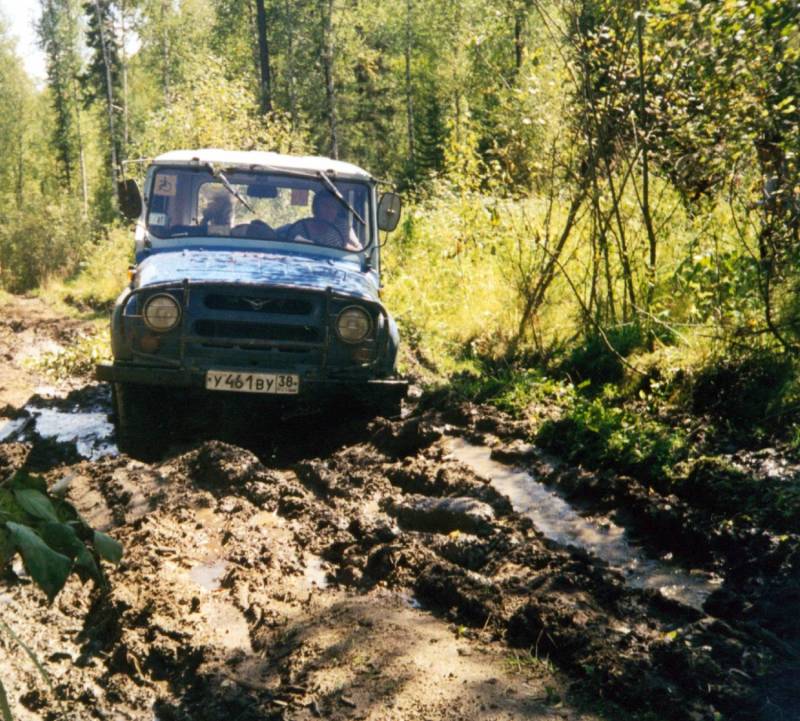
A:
258, 206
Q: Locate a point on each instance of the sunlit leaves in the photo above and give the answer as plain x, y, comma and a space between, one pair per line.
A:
107, 547
48, 568
50, 536
36, 503
209, 110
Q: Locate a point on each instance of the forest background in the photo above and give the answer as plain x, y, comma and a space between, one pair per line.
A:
602, 198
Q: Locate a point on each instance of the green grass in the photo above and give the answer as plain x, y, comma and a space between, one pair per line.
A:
100, 278
527, 663
79, 358
603, 432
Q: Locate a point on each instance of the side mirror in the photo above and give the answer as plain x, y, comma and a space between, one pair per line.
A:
130, 199
389, 209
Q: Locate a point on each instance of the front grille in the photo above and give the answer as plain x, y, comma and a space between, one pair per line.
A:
282, 306
256, 331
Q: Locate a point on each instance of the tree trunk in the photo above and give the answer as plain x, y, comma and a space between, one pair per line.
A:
52, 41
263, 58
327, 65
519, 41
290, 68
409, 88
537, 294
124, 70
20, 161
165, 52
109, 103
645, 201
81, 155
72, 70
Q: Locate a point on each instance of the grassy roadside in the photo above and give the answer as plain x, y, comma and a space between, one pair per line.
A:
87, 295
691, 392
667, 407
101, 276
697, 431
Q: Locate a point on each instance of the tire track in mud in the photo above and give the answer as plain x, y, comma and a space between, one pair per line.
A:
216, 610
285, 583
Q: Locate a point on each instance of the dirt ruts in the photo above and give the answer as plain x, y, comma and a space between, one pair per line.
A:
345, 569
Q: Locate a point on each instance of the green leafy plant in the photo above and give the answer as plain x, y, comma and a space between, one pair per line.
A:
78, 359
528, 663
53, 541
509, 388
49, 535
599, 433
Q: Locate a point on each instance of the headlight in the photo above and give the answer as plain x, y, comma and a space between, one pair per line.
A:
353, 324
162, 313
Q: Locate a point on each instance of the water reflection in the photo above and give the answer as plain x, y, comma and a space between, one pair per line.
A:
560, 522
314, 572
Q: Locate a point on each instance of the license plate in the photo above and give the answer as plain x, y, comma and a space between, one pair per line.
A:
280, 383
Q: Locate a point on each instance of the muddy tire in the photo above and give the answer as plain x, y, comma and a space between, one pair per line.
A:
140, 420
388, 408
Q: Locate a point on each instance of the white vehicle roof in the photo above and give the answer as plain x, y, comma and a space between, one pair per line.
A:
258, 159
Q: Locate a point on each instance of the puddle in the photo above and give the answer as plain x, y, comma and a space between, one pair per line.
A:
211, 567
560, 522
9, 429
18, 567
314, 573
409, 600
45, 391
266, 520
90, 431
209, 575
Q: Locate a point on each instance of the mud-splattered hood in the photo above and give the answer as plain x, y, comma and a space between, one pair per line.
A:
258, 268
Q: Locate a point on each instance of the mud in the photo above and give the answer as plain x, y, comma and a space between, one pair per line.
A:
331, 568
604, 539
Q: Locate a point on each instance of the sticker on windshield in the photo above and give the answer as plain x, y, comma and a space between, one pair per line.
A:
300, 196
165, 185
158, 218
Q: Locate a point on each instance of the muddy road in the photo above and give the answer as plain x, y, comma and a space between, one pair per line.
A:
434, 566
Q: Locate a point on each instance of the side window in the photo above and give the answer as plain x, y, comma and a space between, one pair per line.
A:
169, 209
158, 214
162, 202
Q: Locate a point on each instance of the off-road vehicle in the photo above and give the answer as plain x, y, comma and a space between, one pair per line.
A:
256, 273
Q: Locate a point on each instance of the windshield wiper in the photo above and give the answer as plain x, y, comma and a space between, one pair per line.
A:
329, 184
227, 184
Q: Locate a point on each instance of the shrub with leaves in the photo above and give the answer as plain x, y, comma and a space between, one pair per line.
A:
53, 541
600, 434
79, 359
49, 535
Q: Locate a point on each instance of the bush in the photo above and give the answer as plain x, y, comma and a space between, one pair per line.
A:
39, 242
53, 541
595, 362
718, 485
744, 392
102, 273
601, 435
79, 359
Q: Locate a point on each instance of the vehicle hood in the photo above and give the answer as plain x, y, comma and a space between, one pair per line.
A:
257, 268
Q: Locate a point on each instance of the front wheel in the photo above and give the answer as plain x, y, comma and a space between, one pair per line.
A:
389, 407
140, 420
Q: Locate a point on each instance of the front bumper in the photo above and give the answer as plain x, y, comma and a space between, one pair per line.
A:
272, 341
384, 389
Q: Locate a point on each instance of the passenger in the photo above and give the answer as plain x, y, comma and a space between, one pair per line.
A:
218, 212
329, 225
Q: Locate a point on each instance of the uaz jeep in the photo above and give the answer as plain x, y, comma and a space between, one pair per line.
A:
256, 273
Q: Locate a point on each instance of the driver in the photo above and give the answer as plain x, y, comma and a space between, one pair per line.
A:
329, 224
